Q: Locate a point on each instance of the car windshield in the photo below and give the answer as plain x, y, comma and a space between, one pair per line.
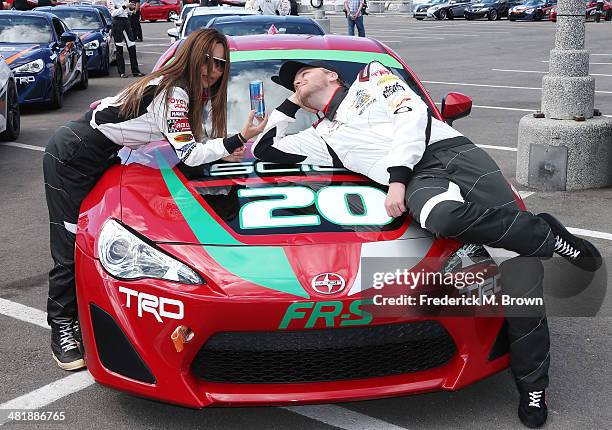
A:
79, 19
238, 101
488, 1
200, 21
24, 29
533, 3
244, 29
186, 10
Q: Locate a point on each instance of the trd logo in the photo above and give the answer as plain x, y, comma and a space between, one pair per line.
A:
306, 314
24, 79
157, 306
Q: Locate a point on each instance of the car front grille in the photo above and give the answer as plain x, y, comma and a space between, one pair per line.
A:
323, 355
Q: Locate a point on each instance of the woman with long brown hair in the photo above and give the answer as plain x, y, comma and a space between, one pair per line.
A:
184, 102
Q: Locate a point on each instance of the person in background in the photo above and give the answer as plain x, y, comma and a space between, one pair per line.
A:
272, 7
122, 32
354, 16
135, 19
20, 5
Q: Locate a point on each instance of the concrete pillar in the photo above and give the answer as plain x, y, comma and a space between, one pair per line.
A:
568, 145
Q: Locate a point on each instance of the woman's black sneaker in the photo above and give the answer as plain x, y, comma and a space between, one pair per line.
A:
65, 350
532, 408
577, 251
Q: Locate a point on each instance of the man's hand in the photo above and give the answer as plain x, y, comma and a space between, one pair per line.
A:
295, 98
235, 156
394, 203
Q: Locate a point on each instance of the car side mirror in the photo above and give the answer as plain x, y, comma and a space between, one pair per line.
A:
68, 36
173, 32
455, 106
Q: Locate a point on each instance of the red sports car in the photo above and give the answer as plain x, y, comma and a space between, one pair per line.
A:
153, 10
247, 283
591, 8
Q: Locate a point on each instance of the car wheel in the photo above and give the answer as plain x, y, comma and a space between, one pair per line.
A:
172, 15
493, 15
57, 96
511, 19
537, 16
419, 19
106, 66
84, 82
468, 17
13, 116
442, 15
450, 15
152, 20
609, 15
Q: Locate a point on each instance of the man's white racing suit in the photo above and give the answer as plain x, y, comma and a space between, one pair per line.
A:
382, 129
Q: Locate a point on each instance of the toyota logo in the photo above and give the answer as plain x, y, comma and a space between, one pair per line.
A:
328, 283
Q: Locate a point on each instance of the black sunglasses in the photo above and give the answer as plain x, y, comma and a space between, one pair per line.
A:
218, 63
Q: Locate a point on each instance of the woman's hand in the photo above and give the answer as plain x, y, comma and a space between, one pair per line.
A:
394, 203
251, 130
235, 156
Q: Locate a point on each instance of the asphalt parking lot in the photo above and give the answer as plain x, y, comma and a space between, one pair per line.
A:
499, 64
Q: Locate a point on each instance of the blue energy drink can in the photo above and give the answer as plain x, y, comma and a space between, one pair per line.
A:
257, 97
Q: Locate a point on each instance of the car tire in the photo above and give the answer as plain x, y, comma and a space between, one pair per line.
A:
511, 19
450, 15
172, 14
468, 18
57, 96
152, 20
84, 81
105, 71
419, 19
492, 15
608, 15
442, 15
538, 16
13, 115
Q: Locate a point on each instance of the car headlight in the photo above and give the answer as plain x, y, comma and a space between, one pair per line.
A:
94, 44
126, 256
31, 67
529, 10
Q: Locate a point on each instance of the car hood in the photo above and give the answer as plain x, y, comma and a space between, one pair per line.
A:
21, 53
88, 35
201, 216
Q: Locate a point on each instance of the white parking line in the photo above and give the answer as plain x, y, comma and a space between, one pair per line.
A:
48, 394
590, 233
23, 146
463, 84
499, 148
23, 313
343, 418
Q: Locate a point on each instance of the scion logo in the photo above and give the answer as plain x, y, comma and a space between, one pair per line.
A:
328, 283
157, 306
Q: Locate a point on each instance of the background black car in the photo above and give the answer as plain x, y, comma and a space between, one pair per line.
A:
452, 9
491, 9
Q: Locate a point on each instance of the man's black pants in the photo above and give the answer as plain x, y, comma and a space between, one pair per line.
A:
122, 32
75, 158
459, 192
136, 27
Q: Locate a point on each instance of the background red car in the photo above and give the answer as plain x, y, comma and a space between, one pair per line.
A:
591, 7
152, 10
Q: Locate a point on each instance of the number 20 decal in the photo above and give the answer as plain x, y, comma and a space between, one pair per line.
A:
331, 202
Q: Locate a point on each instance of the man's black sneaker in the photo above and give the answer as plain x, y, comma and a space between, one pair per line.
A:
532, 408
65, 350
123, 75
76, 329
577, 251
138, 74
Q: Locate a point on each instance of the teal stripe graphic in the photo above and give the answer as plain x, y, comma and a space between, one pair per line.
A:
309, 54
251, 263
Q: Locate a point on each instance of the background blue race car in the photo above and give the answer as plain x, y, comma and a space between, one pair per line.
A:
92, 29
46, 58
